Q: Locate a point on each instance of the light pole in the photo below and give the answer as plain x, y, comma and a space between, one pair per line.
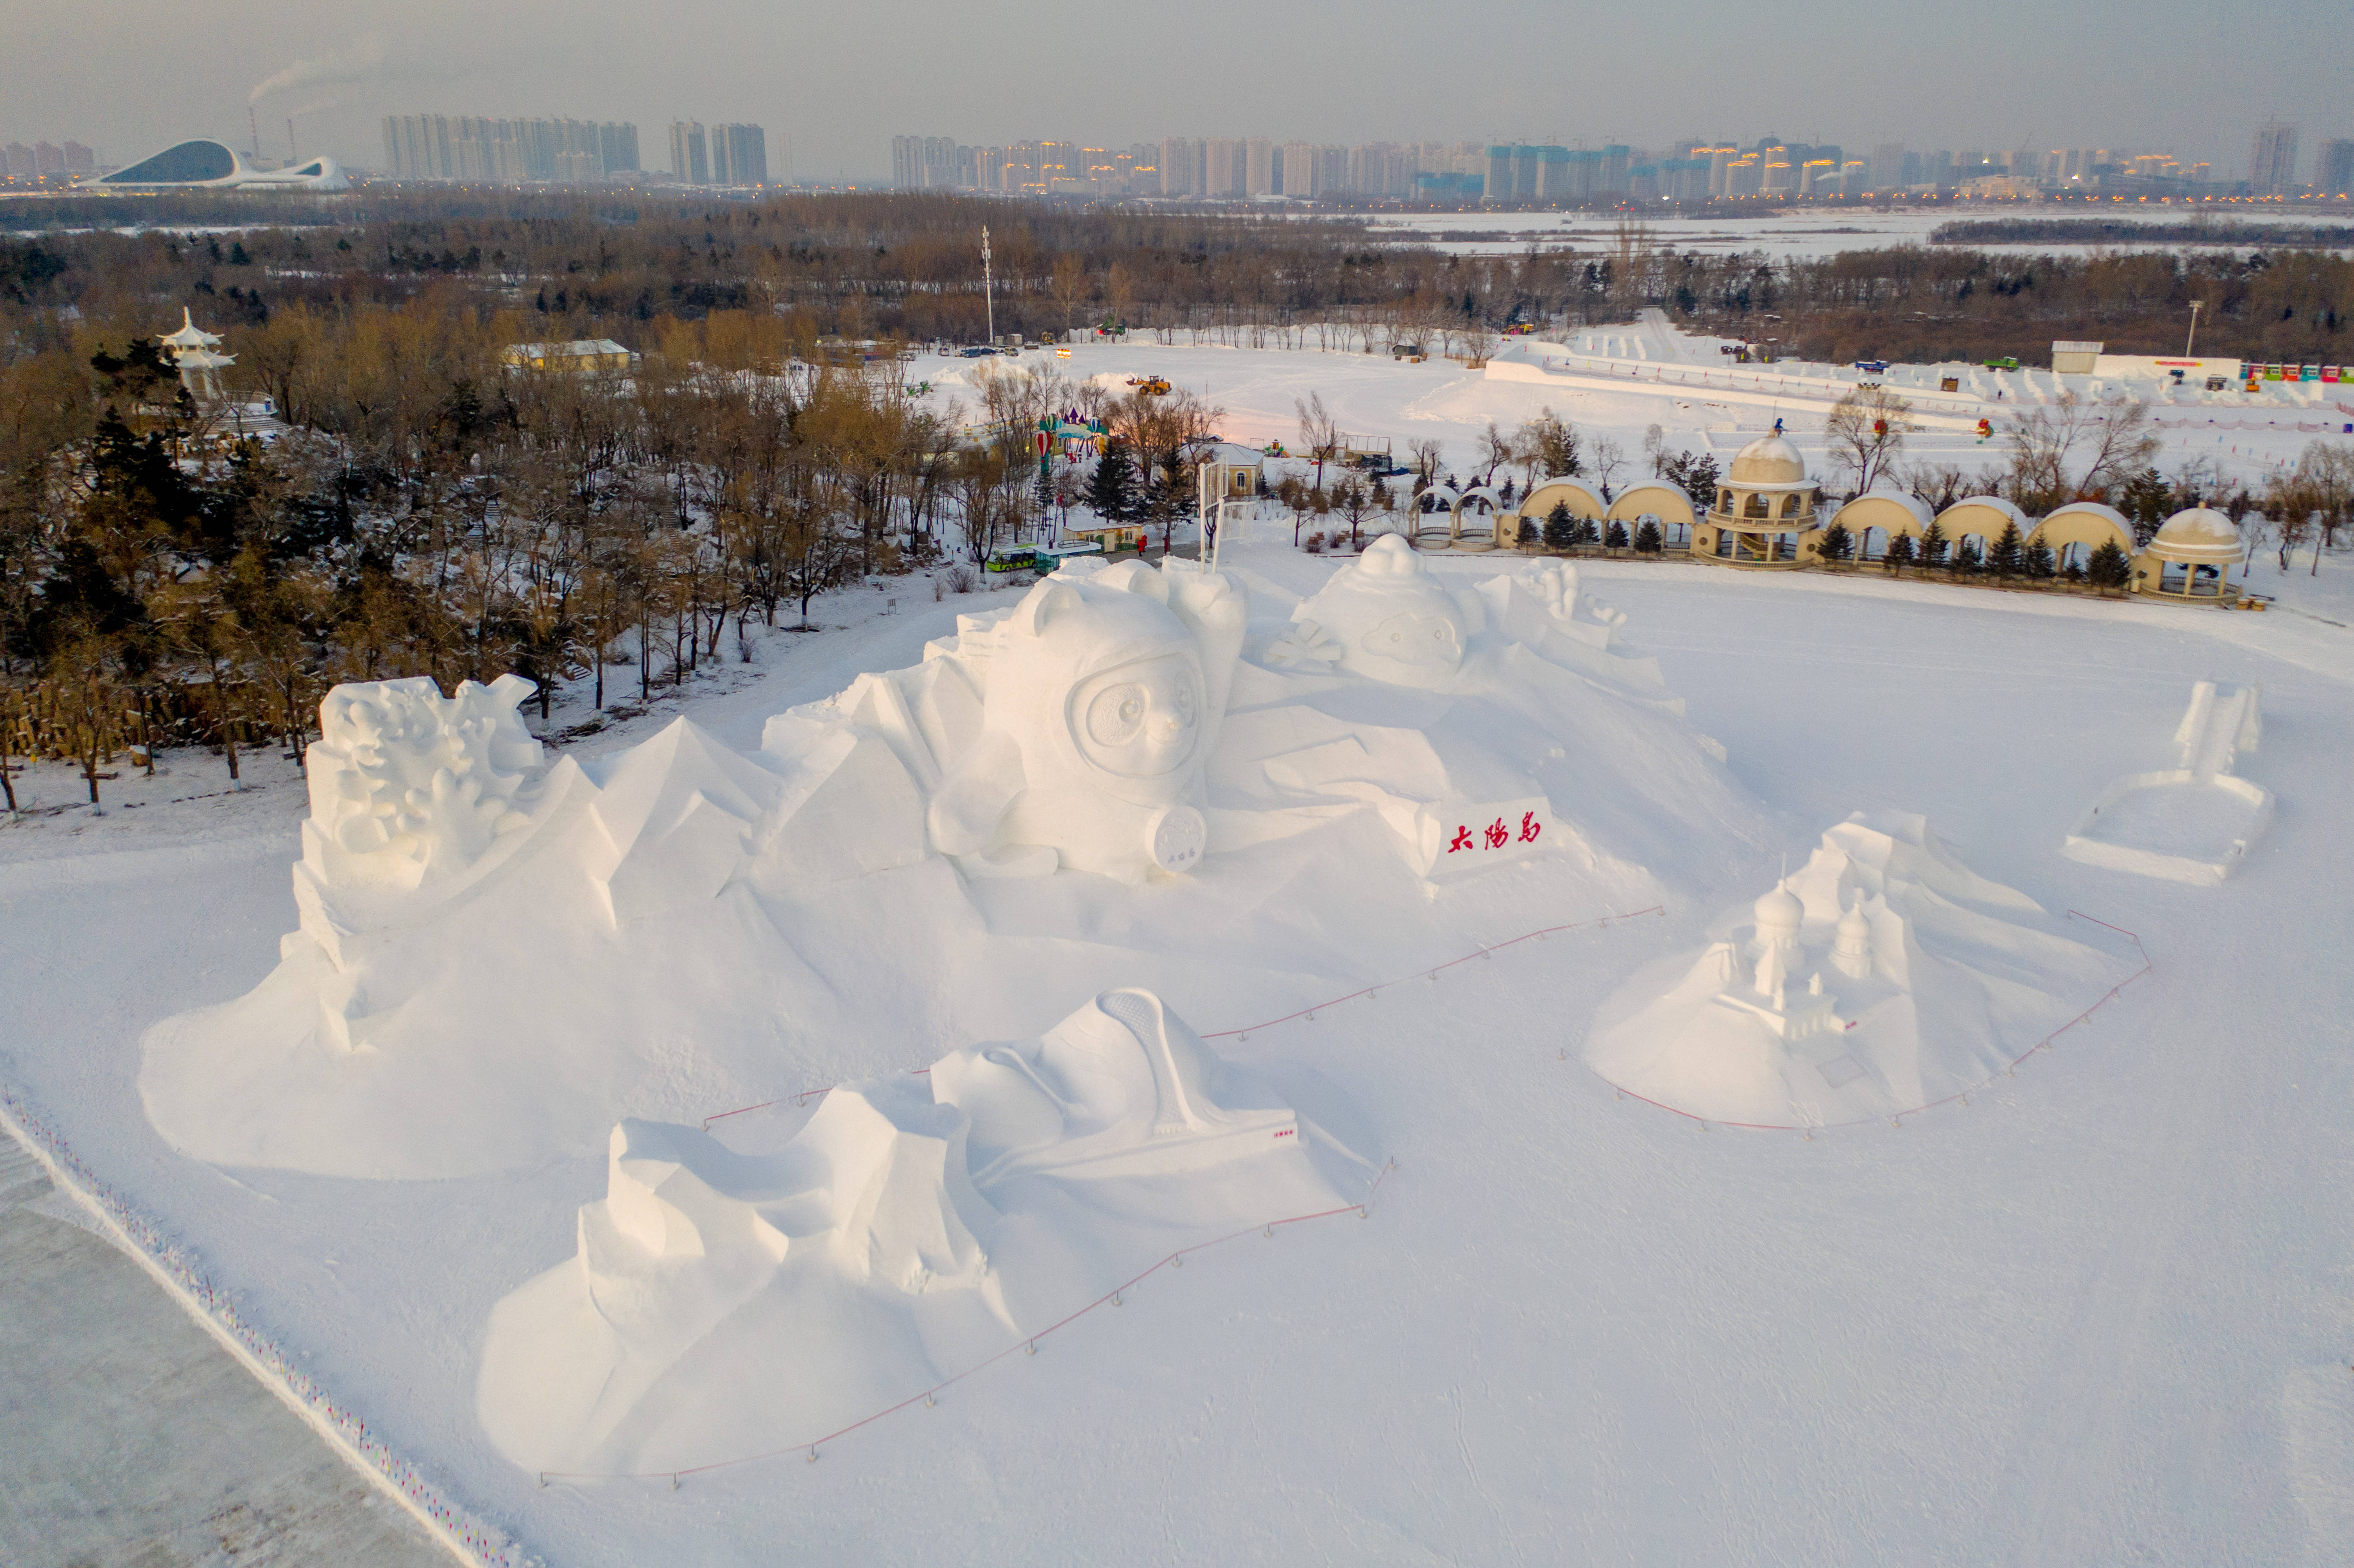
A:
2193, 337
987, 286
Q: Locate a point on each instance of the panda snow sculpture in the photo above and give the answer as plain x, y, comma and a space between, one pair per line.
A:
1100, 699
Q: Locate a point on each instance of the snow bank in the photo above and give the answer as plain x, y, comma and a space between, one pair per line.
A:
1883, 976
723, 1303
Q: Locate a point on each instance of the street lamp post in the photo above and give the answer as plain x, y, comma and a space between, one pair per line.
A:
2193, 337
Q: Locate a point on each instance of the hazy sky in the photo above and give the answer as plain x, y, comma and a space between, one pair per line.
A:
2187, 77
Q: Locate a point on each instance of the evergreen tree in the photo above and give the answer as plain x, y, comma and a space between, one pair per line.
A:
1111, 491
2006, 557
2036, 559
1582, 532
1559, 535
2110, 566
1932, 544
1617, 538
1839, 544
1966, 557
1647, 538
2146, 500
1900, 554
1529, 535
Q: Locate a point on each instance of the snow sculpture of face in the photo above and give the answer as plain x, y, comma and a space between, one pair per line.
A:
1140, 720
1101, 694
1393, 620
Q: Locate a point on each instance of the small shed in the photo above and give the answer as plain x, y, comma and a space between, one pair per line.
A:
580, 357
1234, 470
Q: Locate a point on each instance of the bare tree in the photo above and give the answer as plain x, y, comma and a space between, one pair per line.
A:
1426, 455
1319, 433
1866, 431
1609, 462
2073, 449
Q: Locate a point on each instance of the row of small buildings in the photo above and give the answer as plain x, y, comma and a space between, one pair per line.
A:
1766, 515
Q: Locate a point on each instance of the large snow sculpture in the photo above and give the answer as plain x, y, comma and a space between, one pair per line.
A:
1881, 976
1069, 730
2194, 821
1385, 617
906, 1230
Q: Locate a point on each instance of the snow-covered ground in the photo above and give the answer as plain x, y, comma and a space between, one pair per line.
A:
1784, 233
2100, 1314
1623, 379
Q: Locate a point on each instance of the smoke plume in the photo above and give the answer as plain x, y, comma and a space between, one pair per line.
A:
364, 58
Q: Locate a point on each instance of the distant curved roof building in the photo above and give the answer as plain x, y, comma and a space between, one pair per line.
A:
207, 164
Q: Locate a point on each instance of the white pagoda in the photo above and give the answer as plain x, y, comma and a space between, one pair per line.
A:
195, 355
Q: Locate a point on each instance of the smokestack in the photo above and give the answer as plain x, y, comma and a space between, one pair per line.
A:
255, 126
292, 155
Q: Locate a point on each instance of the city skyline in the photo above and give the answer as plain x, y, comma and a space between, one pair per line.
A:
1636, 79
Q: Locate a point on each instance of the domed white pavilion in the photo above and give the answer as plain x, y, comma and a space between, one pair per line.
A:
2191, 558
1763, 510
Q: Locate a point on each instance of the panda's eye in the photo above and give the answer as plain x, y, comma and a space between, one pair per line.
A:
1116, 714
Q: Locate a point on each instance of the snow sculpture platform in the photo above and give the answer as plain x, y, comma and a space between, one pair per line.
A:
721, 1301
1883, 976
2194, 821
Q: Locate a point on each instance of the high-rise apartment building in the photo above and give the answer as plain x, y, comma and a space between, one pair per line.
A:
739, 155
929, 163
2272, 169
2333, 167
1887, 166
690, 155
1259, 170
1295, 169
1180, 165
1225, 166
473, 149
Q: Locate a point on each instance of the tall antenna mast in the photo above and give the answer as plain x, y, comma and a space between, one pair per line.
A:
987, 286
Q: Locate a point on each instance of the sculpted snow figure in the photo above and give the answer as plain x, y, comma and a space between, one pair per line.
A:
408, 786
1100, 698
719, 1301
1389, 619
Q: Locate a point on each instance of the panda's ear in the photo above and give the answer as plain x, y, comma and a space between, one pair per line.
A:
1048, 600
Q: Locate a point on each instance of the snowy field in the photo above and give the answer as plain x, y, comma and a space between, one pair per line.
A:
1797, 232
1375, 399
2099, 1314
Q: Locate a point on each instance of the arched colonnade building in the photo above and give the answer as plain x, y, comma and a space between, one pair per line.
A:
1766, 515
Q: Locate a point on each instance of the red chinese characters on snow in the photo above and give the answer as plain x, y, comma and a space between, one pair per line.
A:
1496, 835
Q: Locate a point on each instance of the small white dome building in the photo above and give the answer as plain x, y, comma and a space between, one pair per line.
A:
2190, 558
1779, 915
1763, 510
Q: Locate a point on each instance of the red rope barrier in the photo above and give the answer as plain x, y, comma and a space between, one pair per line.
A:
1897, 1116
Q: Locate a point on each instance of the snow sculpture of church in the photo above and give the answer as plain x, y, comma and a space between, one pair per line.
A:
1881, 976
